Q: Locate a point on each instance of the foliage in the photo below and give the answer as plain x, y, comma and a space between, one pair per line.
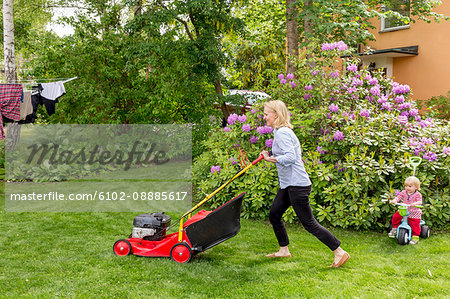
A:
358, 131
261, 49
132, 72
30, 18
350, 21
438, 106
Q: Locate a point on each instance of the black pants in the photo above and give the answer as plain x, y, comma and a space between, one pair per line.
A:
298, 197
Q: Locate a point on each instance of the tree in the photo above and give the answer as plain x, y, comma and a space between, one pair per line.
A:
350, 20
260, 52
10, 63
292, 37
195, 29
8, 42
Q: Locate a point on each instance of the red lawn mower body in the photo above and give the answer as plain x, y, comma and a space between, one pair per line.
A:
200, 232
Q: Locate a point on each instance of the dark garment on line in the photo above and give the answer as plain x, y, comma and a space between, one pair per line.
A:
298, 197
36, 100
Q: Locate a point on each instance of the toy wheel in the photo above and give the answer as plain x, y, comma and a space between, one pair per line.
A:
424, 232
181, 253
403, 236
122, 247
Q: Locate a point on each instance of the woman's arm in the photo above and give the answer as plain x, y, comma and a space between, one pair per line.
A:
269, 158
287, 146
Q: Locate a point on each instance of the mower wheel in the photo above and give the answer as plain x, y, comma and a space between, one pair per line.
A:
425, 231
181, 253
403, 236
122, 248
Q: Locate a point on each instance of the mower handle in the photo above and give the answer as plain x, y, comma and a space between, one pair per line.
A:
258, 159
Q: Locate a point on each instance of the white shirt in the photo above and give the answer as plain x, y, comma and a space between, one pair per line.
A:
53, 90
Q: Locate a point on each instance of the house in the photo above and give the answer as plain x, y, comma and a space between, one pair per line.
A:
417, 54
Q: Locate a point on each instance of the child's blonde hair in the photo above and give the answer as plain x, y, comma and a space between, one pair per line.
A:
412, 180
283, 119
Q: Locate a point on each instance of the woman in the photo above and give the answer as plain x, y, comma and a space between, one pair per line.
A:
295, 185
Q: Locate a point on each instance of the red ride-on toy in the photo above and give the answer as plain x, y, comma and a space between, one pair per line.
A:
197, 234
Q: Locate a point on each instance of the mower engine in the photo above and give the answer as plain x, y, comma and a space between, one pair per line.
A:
150, 226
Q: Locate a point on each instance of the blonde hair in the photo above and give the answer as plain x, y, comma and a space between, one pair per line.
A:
283, 119
412, 180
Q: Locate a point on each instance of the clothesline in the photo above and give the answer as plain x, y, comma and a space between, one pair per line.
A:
40, 80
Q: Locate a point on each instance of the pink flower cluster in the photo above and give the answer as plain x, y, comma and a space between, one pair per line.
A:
246, 128
215, 169
232, 118
364, 113
341, 46
373, 81
289, 76
446, 150
403, 119
320, 150
375, 90
399, 88
430, 156
423, 145
356, 82
352, 68
340, 167
333, 108
264, 130
338, 135
269, 142
386, 106
233, 161
334, 74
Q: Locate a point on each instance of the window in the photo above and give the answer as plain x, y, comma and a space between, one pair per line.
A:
401, 7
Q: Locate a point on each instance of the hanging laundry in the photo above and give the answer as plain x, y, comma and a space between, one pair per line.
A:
52, 91
26, 108
46, 94
10, 95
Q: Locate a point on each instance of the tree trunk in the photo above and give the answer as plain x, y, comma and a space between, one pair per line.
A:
308, 30
223, 105
292, 50
138, 8
10, 66
8, 41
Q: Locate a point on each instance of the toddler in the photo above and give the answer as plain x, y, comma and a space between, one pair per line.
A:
412, 197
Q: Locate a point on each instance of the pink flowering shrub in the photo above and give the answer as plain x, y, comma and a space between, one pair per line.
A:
357, 130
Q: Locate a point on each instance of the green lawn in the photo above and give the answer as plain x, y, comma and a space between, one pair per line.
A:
70, 255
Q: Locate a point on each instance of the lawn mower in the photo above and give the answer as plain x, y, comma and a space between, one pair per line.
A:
195, 234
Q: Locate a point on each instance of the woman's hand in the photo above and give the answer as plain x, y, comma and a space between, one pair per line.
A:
267, 157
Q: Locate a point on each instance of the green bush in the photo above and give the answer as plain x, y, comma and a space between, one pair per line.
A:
357, 130
438, 106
